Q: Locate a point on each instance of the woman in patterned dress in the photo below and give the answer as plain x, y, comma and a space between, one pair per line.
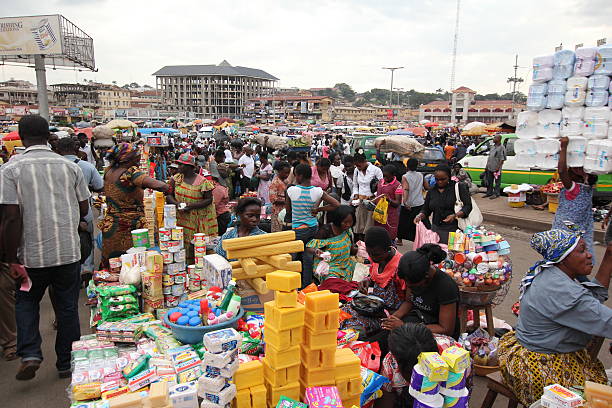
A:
198, 214
124, 185
390, 188
278, 187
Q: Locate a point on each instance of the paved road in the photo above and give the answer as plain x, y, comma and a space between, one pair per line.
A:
46, 390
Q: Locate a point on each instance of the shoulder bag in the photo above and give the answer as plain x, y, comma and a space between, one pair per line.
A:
474, 218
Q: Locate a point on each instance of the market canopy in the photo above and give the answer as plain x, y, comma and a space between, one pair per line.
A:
14, 135
221, 121
473, 125
431, 124
401, 132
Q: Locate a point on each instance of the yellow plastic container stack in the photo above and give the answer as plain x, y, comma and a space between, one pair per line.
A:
284, 319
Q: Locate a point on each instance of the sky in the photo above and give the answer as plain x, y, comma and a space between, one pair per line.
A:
318, 43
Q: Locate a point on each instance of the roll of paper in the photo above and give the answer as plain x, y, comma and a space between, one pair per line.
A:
421, 383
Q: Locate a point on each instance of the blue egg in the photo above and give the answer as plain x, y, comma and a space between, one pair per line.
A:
192, 313
184, 310
184, 304
183, 320
195, 321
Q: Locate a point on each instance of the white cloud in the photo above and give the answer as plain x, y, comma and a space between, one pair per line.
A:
319, 43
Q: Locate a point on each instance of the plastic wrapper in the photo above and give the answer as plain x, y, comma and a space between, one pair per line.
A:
400, 144
372, 384
250, 345
347, 336
119, 311
119, 300
165, 343
105, 276
154, 330
88, 391
483, 347
136, 366
115, 290
255, 325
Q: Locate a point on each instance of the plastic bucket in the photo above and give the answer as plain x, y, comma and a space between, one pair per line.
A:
140, 238
194, 334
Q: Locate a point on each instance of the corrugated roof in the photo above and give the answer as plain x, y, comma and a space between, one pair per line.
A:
291, 98
463, 89
224, 68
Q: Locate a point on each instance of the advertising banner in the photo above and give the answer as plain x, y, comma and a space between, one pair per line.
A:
30, 35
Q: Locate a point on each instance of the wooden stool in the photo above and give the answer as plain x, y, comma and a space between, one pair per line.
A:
496, 386
488, 309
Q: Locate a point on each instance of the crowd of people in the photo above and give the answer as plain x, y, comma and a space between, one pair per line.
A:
328, 197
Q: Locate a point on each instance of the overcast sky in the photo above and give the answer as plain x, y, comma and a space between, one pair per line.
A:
317, 43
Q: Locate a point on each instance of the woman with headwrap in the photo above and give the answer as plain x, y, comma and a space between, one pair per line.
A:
124, 185
558, 318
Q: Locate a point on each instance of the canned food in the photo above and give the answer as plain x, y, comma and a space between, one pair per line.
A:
178, 290
170, 210
179, 256
171, 301
165, 234
163, 245
180, 266
140, 238
192, 272
167, 290
194, 285
115, 264
199, 261
177, 234
180, 278
167, 280
172, 269
174, 246
168, 258
199, 239
199, 250
169, 222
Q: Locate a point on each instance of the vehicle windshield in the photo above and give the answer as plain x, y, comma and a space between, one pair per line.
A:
483, 149
369, 143
433, 154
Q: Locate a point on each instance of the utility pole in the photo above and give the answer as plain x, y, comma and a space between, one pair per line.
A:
392, 69
514, 81
455, 41
398, 95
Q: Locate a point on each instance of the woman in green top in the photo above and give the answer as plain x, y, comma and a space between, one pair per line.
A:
336, 239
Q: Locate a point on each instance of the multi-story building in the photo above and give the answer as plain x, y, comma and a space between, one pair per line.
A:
353, 113
212, 91
76, 95
291, 107
464, 108
145, 99
18, 92
113, 97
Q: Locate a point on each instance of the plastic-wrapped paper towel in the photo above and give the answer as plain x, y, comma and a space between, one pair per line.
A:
525, 146
576, 151
556, 94
543, 68
571, 127
563, 67
599, 82
596, 113
549, 116
579, 83
585, 61
575, 97
597, 98
595, 129
536, 99
527, 125
598, 158
549, 130
603, 60
573, 112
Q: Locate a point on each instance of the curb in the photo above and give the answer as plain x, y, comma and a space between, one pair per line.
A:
529, 224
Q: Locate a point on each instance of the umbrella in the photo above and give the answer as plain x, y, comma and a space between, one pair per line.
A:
282, 129
472, 125
418, 131
422, 122
171, 119
431, 124
11, 136
82, 124
121, 124
61, 134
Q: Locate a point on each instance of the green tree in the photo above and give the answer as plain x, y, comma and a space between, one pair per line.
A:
345, 91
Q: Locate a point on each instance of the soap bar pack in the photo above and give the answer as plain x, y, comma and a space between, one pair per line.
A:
227, 371
283, 318
457, 358
249, 374
322, 358
323, 397
284, 281
184, 395
562, 396
321, 321
433, 366
282, 358
321, 339
222, 340
285, 402
223, 397
278, 377
282, 339
219, 360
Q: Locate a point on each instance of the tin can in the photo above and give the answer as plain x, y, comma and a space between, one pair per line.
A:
177, 234
167, 280
199, 239
167, 290
163, 245
179, 256
194, 285
178, 290
180, 278
171, 301
165, 234
170, 210
199, 250
140, 238
168, 258
192, 272
199, 261
169, 222
180, 266
171, 269
174, 246
115, 264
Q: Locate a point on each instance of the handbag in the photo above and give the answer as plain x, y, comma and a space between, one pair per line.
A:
381, 211
474, 218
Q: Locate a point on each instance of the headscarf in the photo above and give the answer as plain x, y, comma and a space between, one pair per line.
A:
122, 153
554, 246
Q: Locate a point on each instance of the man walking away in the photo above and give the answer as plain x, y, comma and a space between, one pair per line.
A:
493, 170
43, 197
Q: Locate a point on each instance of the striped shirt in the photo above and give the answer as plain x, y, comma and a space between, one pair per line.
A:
303, 200
48, 189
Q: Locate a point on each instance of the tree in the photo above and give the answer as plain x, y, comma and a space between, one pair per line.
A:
134, 85
345, 91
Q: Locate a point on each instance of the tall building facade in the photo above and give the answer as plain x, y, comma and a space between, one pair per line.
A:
212, 91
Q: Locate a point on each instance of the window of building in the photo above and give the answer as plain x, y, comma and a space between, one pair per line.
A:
459, 110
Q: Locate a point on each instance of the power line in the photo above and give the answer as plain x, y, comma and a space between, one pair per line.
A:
455, 41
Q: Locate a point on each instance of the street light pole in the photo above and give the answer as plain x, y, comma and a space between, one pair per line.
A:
392, 69
398, 95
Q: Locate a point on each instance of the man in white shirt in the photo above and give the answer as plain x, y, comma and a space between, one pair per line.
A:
363, 175
247, 165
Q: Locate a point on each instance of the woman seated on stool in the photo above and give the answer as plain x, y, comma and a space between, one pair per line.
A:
557, 319
248, 214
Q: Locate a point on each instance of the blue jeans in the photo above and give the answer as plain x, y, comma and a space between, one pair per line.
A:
66, 282
305, 235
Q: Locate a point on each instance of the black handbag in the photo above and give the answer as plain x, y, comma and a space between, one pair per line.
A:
346, 190
86, 245
369, 306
